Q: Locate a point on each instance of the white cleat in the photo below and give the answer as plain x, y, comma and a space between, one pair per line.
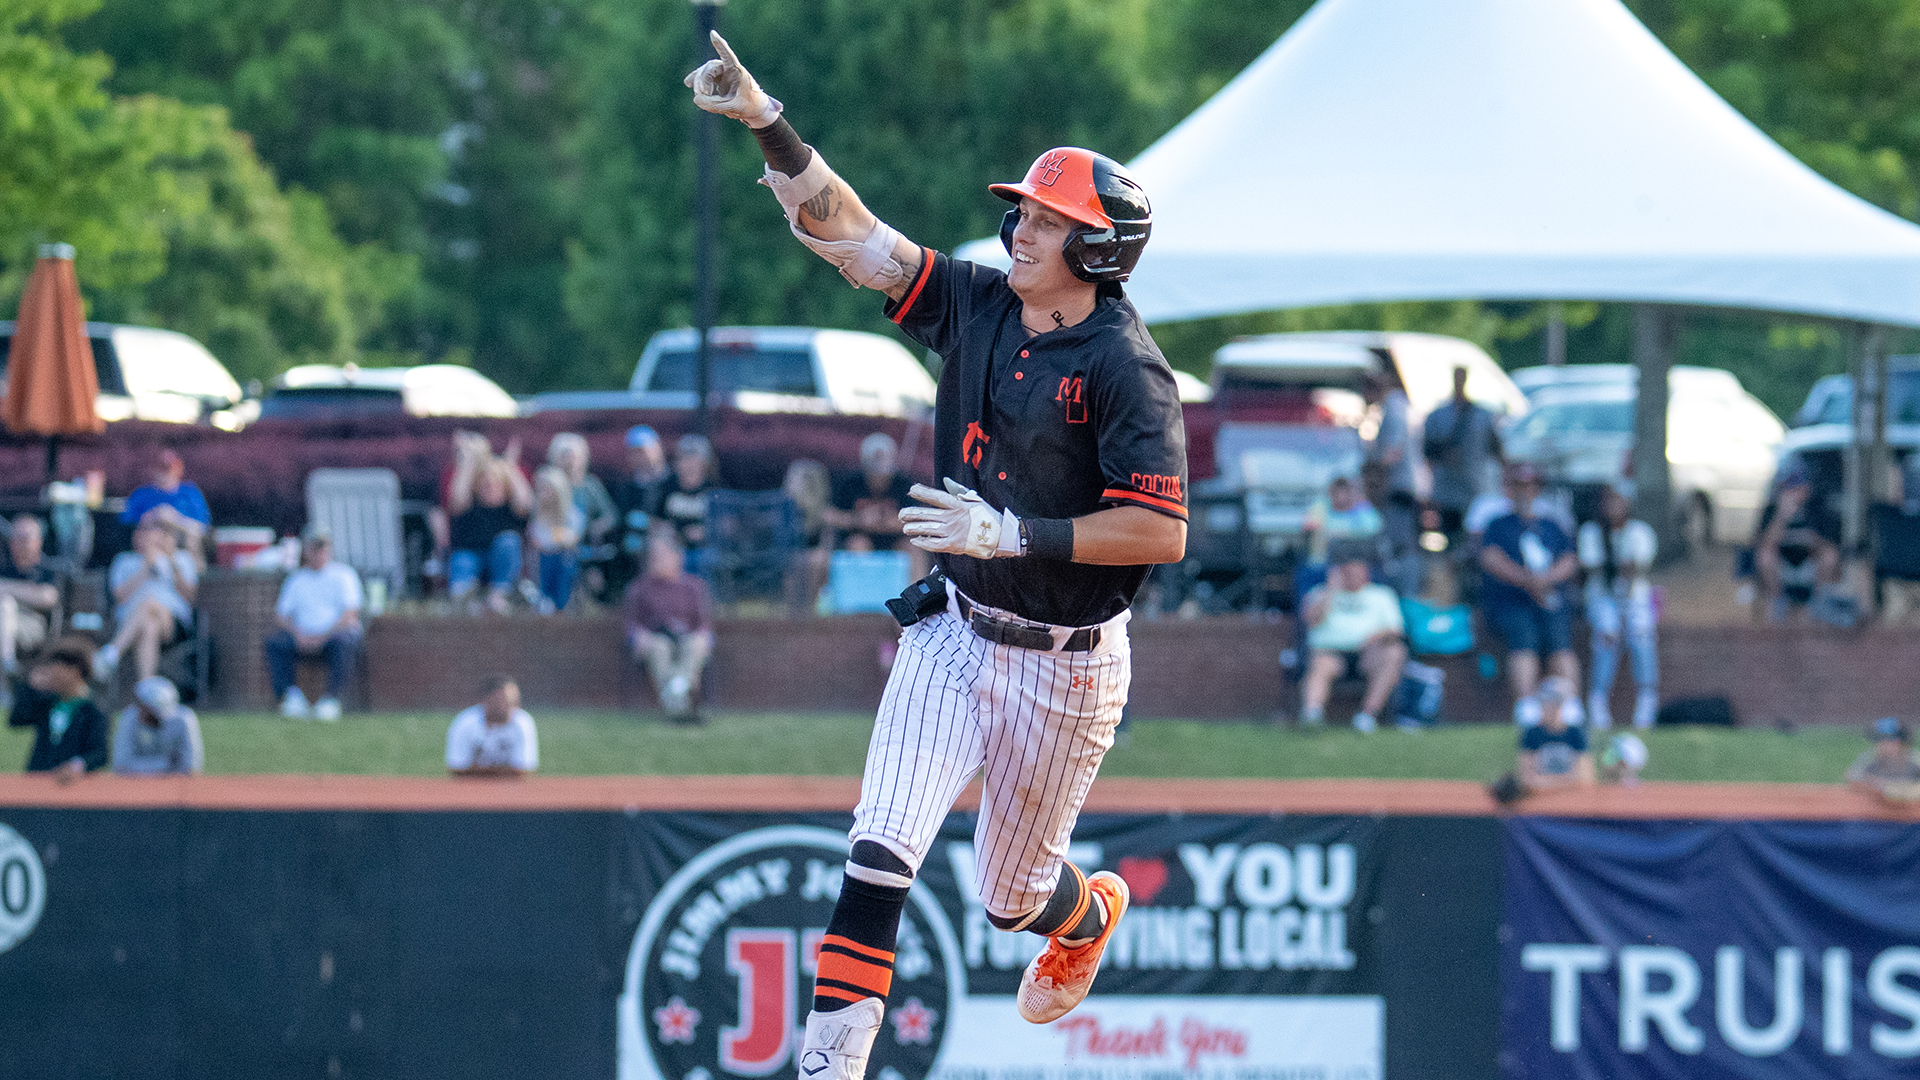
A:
1059, 978
838, 1042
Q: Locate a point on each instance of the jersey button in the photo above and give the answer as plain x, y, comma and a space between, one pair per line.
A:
1018, 375
1003, 476
1023, 354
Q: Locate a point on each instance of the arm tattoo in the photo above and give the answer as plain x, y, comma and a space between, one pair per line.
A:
782, 147
821, 206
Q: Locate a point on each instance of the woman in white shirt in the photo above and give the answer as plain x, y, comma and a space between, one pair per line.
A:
1617, 552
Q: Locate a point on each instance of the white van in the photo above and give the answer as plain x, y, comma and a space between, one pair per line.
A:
151, 374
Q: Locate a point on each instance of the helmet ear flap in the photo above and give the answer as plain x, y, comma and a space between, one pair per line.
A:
1008, 223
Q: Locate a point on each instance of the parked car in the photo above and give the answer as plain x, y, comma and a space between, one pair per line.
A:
146, 373
330, 392
786, 369
1721, 446
1287, 416
1831, 399
1532, 380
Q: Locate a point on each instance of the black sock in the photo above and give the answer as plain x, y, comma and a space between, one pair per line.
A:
856, 957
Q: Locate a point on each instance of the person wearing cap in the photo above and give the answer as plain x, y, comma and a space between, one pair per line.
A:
1527, 561
637, 498
1890, 769
1553, 752
1617, 552
688, 499
866, 504
1796, 550
1354, 627
172, 500
156, 735
318, 614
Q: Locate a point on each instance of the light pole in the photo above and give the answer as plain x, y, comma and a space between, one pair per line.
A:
705, 149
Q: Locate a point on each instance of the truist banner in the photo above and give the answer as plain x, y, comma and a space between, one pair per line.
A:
1736, 949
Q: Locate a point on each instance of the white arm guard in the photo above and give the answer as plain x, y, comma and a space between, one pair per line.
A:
869, 263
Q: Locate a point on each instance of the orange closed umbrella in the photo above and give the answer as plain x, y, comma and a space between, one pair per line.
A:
51, 385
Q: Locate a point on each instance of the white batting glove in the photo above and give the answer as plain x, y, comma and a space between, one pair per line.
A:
959, 522
725, 86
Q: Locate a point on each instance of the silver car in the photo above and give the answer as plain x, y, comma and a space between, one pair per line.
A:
1721, 445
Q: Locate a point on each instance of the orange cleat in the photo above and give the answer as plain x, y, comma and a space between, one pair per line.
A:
1059, 978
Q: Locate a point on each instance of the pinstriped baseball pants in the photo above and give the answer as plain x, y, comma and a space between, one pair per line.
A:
1036, 724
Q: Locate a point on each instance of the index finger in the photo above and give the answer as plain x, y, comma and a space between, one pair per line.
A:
726, 51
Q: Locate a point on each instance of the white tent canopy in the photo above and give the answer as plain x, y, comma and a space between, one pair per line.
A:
1495, 149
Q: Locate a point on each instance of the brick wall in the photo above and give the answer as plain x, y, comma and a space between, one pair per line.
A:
1223, 669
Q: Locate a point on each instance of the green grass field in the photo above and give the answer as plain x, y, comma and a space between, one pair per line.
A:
597, 743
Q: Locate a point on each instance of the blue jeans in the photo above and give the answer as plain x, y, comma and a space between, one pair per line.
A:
1614, 620
502, 563
557, 571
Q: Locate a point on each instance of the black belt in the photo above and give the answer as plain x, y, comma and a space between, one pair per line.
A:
1023, 635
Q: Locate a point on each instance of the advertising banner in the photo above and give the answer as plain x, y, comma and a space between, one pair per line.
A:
1249, 952
361, 945
1725, 949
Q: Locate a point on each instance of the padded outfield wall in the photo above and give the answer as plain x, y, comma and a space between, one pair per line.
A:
665, 928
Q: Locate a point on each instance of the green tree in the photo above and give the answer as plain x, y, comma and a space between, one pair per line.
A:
175, 220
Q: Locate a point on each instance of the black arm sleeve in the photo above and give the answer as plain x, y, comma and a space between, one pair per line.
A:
783, 148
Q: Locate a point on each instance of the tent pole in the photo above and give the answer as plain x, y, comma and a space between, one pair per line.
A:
1556, 333
1866, 460
1654, 330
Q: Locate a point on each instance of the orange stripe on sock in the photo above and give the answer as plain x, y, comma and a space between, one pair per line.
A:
836, 992
874, 978
1080, 909
857, 949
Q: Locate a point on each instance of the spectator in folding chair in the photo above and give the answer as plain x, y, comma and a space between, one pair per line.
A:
29, 592
318, 614
570, 454
171, 499
867, 504
668, 615
153, 588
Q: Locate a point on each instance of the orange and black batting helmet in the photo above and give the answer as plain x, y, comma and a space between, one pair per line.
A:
1095, 191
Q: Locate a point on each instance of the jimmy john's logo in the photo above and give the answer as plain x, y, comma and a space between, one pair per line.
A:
720, 974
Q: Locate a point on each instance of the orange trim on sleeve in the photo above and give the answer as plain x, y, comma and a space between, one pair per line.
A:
926, 271
1154, 501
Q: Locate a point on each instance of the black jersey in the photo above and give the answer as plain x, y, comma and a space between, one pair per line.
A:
1058, 425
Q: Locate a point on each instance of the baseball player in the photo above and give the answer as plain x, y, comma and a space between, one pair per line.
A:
1058, 436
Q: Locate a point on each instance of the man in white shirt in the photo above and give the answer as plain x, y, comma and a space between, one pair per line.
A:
1355, 626
318, 614
495, 737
